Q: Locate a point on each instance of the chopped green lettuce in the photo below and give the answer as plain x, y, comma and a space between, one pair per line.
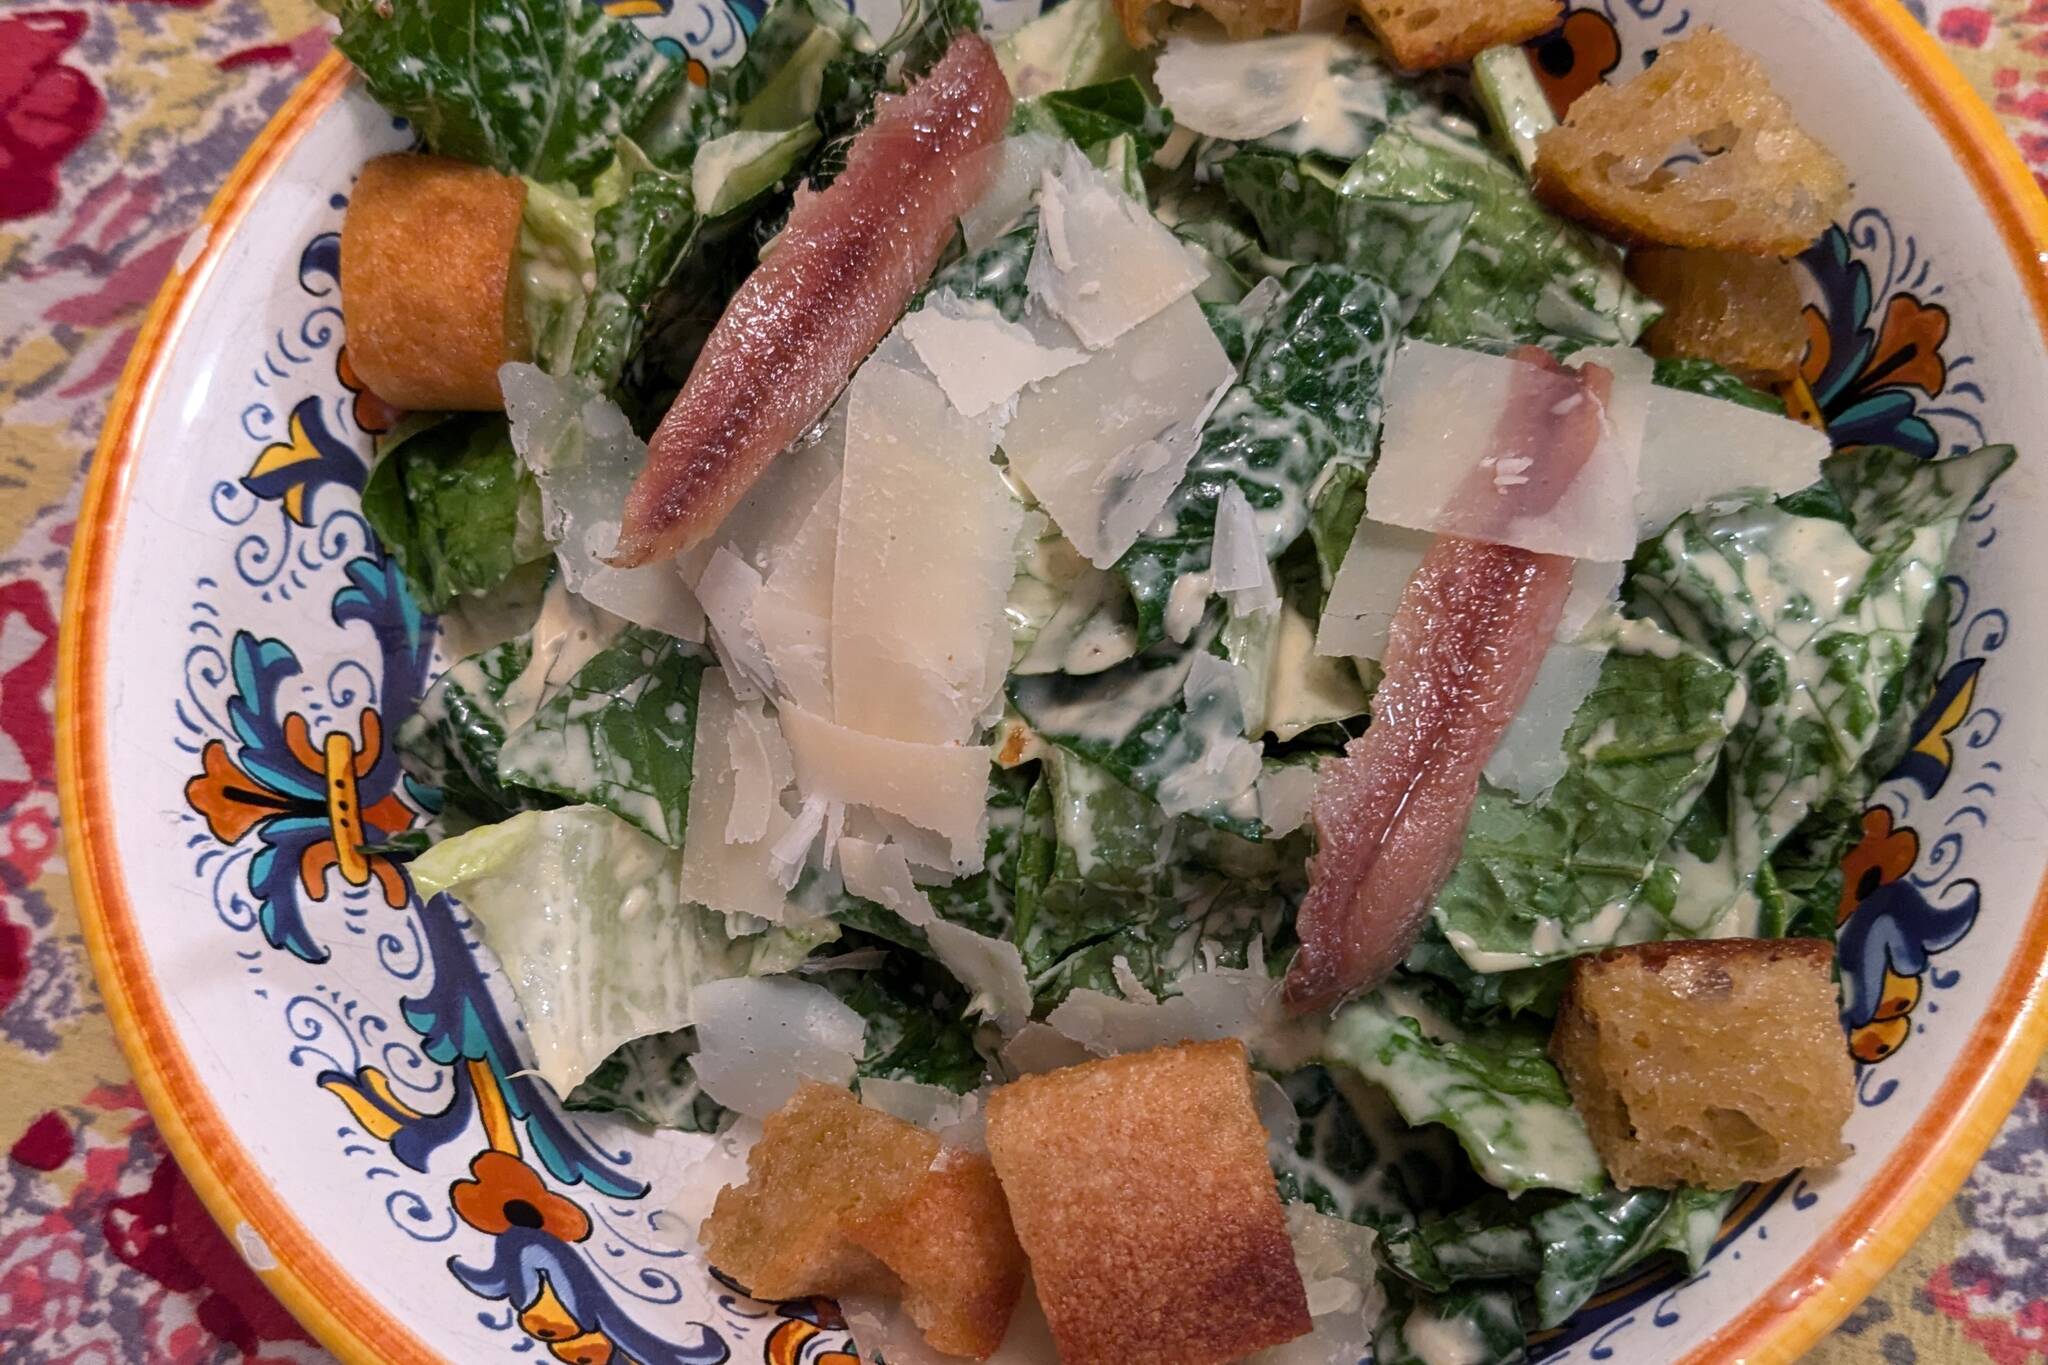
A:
583, 912
1820, 620
1520, 273
1308, 397
618, 734
1542, 880
541, 91
1491, 1083
452, 504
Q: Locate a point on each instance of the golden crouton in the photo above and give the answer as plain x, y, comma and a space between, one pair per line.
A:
1240, 18
1420, 34
1738, 311
429, 297
1140, 1189
1710, 1062
952, 1245
1758, 185
844, 1199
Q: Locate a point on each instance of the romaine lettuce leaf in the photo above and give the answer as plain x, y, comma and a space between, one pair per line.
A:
541, 91
1308, 397
1492, 1084
452, 504
1820, 619
583, 912
1520, 273
1540, 881
618, 734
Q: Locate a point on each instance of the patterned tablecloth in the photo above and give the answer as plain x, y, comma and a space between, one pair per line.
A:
118, 119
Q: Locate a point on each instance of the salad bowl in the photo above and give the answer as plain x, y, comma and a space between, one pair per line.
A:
341, 1070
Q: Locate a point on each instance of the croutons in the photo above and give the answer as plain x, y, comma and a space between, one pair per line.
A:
844, 1199
1240, 18
1141, 1191
1420, 34
1746, 178
1738, 311
1708, 1063
429, 297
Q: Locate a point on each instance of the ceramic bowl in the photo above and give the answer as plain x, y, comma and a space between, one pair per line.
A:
338, 1070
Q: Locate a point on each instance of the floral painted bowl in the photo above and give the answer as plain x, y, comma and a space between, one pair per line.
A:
338, 1068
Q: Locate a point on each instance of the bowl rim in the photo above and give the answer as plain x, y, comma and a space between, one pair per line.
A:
1779, 1324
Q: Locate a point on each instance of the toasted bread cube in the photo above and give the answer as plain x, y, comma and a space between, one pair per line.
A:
1141, 1192
824, 1161
1738, 311
1421, 34
952, 1245
1711, 1063
1240, 18
429, 297
844, 1199
1760, 186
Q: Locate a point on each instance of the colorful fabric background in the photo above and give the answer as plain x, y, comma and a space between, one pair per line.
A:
118, 120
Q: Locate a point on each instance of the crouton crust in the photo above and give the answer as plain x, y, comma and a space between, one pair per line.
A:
1240, 18
1421, 34
952, 1244
824, 1161
429, 298
1762, 186
1710, 1063
1140, 1189
1738, 311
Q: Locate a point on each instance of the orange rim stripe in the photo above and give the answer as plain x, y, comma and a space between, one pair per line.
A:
1796, 1311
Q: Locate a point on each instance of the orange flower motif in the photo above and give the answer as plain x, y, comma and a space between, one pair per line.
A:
1575, 56
1909, 345
505, 1193
1880, 857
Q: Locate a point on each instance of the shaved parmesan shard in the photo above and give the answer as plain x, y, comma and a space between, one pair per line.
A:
1241, 89
1103, 445
1531, 757
992, 969
956, 1118
1223, 1002
727, 590
758, 1038
1443, 467
939, 787
1238, 567
980, 358
741, 766
1020, 166
1286, 792
792, 848
1102, 263
882, 1329
1338, 1270
1039, 1048
584, 456
1699, 450
1214, 693
793, 610
923, 564
1377, 566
